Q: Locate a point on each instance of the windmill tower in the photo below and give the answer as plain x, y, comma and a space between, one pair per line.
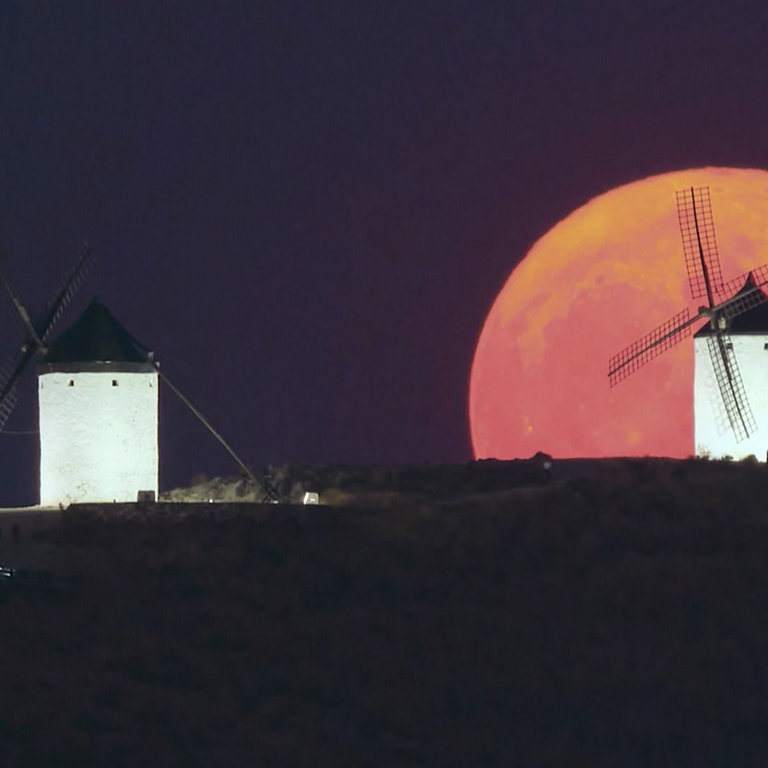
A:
97, 397
97, 389
98, 403
730, 350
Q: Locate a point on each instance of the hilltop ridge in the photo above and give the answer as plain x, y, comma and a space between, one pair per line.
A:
611, 616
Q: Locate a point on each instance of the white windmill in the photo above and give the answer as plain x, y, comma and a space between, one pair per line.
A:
98, 402
97, 391
730, 350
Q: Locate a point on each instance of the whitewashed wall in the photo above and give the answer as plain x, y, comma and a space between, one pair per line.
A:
98, 436
713, 435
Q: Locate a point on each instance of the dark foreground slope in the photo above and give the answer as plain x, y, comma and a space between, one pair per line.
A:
618, 618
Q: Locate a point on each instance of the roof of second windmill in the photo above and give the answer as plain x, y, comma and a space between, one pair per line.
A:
96, 337
754, 320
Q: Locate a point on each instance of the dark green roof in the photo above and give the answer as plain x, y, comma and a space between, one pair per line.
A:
96, 337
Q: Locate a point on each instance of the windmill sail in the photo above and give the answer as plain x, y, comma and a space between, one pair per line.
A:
759, 278
731, 386
746, 292
8, 395
6, 406
20, 311
697, 228
64, 295
10, 376
649, 346
36, 333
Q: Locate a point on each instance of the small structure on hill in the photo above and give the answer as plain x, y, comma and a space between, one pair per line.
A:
747, 342
97, 389
98, 402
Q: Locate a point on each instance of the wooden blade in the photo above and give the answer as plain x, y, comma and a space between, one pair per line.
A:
694, 214
731, 386
6, 406
649, 346
29, 330
746, 301
65, 293
8, 377
759, 274
743, 298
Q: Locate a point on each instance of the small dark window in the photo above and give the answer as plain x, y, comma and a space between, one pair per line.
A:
728, 345
114, 382
70, 383
765, 346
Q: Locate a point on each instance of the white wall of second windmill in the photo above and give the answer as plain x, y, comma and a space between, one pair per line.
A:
712, 433
98, 436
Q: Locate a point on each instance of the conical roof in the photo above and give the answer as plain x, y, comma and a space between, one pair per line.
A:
97, 337
754, 320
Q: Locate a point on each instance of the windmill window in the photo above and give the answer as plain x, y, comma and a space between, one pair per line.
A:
70, 383
728, 345
765, 346
114, 382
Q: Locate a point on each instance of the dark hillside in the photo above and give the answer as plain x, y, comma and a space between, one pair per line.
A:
617, 616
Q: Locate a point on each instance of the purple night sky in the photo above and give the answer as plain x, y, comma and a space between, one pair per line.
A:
307, 208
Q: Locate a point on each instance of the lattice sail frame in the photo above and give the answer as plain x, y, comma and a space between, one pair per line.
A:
37, 333
731, 386
649, 346
741, 301
697, 229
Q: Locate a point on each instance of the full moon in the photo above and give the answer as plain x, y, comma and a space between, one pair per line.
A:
607, 274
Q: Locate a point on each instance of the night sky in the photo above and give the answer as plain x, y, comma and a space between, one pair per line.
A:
307, 209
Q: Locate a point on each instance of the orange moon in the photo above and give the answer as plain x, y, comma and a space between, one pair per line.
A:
600, 279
